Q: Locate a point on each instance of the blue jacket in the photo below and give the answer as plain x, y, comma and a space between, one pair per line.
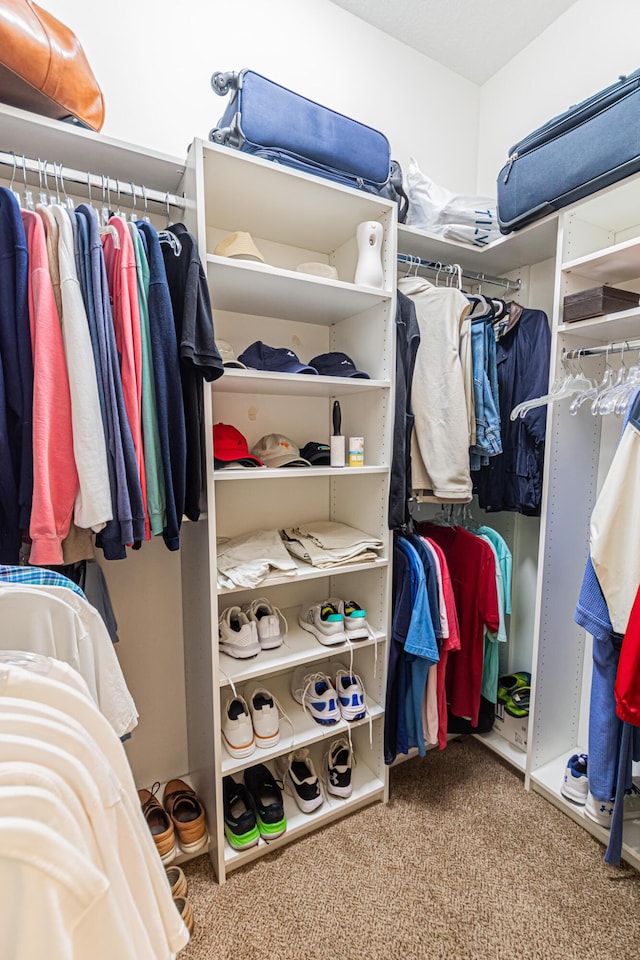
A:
513, 479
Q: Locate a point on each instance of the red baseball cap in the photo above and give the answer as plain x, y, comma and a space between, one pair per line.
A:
230, 445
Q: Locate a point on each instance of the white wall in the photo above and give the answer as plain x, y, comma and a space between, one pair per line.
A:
586, 49
154, 60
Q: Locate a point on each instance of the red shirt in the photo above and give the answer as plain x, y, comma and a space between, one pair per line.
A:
472, 568
627, 686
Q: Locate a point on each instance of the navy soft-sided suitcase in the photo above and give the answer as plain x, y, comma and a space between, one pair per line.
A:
588, 147
270, 121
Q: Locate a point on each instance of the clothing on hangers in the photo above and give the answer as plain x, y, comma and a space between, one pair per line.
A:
407, 343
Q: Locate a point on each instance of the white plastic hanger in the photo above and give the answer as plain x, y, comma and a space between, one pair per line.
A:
567, 386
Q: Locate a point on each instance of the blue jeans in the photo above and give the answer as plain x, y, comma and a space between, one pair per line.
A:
485, 395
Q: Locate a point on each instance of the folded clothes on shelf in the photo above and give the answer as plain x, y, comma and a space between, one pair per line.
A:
326, 543
246, 560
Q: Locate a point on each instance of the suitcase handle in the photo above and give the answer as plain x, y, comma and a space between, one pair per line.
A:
222, 83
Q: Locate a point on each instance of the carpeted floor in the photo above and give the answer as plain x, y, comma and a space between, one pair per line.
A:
462, 864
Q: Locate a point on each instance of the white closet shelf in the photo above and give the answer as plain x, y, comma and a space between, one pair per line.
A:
367, 786
306, 572
269, 383
613, 264
256, 289
503, 748
305, 730
280, 204
299, 647
298, 473
548, 779
611, 327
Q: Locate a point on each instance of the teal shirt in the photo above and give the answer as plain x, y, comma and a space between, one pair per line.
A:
491, 665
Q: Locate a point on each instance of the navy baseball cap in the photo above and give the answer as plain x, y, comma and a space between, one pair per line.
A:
337, 365
318, 454
260, 356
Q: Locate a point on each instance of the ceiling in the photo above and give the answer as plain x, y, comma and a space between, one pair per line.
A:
475, 38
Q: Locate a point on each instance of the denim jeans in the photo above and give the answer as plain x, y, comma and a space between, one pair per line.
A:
485, 395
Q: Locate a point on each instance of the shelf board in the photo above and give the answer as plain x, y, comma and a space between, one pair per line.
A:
367, 787
548, 779
299, 647
532, 244
504, 748
285, 205
614, 264
243, 286
305, 730
304, 571
297, 473
623, 325
235, 380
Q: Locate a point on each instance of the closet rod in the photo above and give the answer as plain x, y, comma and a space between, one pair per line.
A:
620, 346
98, 182
453, 268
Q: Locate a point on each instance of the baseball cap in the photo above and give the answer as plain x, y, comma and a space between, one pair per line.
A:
230, 445
260, 356
337, 365
318, 454
228, 354
239, 245
277, 451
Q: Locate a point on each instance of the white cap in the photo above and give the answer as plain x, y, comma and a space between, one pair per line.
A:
228, 355
239, 245
278, 451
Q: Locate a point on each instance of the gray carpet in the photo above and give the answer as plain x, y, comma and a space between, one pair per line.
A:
462, 864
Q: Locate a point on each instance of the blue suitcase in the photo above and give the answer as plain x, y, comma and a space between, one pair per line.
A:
584, 149
270, 121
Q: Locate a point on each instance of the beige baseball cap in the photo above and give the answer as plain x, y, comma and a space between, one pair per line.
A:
277, 451
239, 245
228, 355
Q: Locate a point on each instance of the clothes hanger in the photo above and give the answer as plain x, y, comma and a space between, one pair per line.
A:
107, 229
594, 392
28, 196
568, 386
166, 236
603, 398
16, 193
132, 215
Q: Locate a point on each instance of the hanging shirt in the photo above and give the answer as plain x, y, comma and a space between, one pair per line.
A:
37, 576
199, 356
407, 342
449, 643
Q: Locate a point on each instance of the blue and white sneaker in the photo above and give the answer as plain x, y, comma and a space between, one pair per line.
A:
351, 697
600, 811
316, 693
575, 786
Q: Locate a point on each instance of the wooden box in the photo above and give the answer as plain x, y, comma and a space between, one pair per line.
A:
596, 302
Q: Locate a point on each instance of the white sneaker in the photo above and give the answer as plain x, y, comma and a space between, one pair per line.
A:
269, 622
575, 785
355, 618
599, 811
324, 621
300, 779
237, 635
265, 717
237, 729
316, 693
351, 697
338, 765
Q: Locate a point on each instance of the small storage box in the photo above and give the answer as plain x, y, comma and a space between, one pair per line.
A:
596, 302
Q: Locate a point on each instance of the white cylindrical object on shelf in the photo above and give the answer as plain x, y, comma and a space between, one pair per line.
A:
369, 269
337, 451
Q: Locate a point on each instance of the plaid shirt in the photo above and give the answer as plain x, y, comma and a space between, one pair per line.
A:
38, 576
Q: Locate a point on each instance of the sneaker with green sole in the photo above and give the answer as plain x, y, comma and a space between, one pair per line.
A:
508, 683
266, 797
240, 827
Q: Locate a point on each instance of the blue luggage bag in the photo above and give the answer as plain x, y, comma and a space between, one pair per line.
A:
584, 149
270, 121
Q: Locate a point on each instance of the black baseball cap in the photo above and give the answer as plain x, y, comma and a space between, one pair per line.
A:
260, 356
318, 454
337, 365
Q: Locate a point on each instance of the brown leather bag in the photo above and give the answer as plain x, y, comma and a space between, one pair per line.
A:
43, 67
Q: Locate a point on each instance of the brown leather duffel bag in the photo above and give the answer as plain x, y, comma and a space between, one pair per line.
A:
43, 67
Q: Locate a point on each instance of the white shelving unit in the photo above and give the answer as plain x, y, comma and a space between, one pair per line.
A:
293, 218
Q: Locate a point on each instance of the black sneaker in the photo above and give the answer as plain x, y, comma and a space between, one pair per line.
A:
338, 763
301, 780
240, 826
266, 797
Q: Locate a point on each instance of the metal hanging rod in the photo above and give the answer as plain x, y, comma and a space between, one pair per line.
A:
619, 346
102, 184
454, 268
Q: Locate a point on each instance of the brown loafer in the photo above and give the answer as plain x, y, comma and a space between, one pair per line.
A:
186, 912
159, 823
187, 813
177, 881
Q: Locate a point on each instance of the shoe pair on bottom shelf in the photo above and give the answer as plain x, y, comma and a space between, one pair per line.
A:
575, 787
178, 884
181, 816
244, 631
252, 809
334, 621
300, 779
330, 695
246, 726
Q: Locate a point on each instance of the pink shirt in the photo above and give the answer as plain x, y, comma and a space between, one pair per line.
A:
452, 642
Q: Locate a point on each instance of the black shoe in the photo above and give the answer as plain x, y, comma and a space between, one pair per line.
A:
240, 826
266, 797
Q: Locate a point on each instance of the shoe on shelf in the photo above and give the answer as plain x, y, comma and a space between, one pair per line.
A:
177, 881
240, 826
237, 728
632, 803
300, 779
185, 910
324, 621
355, 618
508, 683
265, 717
266, 797
270, 622
316, 693
159, 823
600, 811
351, 697
338, 766
517, 704
187, 813
237, 635
575, 785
